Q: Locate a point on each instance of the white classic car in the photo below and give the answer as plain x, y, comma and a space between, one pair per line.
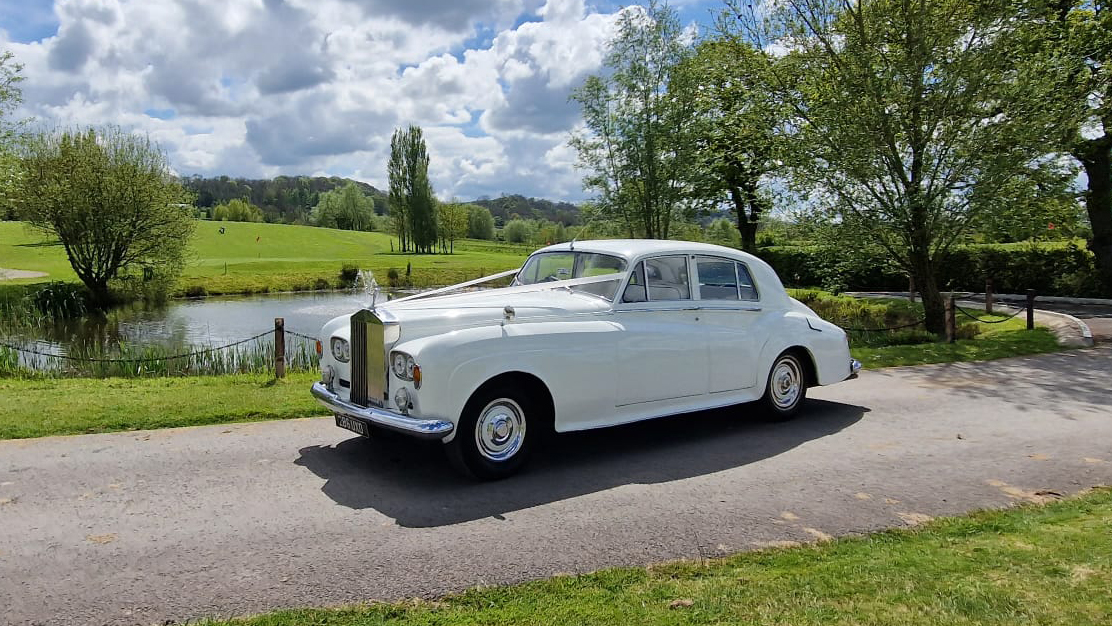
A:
589, 334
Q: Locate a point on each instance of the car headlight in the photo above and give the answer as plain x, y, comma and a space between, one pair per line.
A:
341, 350
405, 367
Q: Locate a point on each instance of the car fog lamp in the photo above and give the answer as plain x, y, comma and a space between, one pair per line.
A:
327, 374
341, 350
401, 399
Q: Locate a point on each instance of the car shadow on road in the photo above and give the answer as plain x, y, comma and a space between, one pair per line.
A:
412, 482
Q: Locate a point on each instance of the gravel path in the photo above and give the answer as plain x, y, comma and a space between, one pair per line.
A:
137, 528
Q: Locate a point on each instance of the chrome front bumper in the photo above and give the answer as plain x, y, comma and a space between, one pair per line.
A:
422, 428
854, 367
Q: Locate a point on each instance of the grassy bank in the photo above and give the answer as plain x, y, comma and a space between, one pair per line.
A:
1031, 565
995, 341
40, 407
259, 258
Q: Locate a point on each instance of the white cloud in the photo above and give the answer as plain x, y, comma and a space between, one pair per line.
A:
268, 87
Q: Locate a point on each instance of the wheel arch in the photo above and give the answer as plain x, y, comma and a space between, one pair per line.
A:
810, 369
531, 384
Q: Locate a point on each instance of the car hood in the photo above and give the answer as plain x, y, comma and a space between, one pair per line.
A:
488, 306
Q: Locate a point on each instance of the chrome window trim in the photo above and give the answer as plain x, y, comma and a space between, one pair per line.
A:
756, 289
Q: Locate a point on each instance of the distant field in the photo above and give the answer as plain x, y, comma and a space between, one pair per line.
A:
250, 258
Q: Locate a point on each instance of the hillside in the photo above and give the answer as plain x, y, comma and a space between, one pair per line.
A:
285, 199
506, 207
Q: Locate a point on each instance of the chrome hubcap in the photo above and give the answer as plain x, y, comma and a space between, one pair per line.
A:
786, 383
500, 430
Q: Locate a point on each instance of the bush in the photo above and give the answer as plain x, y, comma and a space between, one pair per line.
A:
61, 300
349, 274
322, 284
196, 291
392, 276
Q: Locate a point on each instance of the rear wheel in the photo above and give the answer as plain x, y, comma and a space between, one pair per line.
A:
492, 438
786, 388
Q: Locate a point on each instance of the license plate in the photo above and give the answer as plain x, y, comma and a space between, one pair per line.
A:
354, 425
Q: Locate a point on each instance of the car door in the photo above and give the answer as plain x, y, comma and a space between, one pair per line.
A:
732, 322
662, 355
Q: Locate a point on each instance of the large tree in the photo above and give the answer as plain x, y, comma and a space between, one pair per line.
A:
346, 208
738, 125
412, 205
900, 110
111, 200
1069, 45
637, 144
453, 222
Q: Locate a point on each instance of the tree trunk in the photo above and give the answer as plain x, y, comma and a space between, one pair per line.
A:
1096, 158
934, 308
747, 227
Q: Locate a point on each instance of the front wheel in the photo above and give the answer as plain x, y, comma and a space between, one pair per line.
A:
786, 388
492, 439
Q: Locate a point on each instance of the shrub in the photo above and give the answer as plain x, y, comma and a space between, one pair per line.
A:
61, 300
349, 273
392, 276
322, 284
196, 291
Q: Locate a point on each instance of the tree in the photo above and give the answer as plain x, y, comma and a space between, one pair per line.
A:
346, 208
517, 231
1070, 47
738, 131
453, 223
723, 233
480, 223
111, 199
900, 110
637, 144
412, 205
10, 98
237, 211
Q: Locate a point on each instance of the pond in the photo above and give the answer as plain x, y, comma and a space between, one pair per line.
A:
196, 323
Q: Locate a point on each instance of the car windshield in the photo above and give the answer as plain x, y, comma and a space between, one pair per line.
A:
557, 266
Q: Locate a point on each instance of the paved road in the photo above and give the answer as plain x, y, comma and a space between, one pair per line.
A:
136, 528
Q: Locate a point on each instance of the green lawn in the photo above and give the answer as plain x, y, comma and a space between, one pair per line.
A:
71, 406
252, 258
1029, 565
996, 341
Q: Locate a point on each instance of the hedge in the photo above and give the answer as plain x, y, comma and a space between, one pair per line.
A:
1051, 270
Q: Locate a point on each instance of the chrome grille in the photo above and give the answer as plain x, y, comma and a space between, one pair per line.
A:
368, 359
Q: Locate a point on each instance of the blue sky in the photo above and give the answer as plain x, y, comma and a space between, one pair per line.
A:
259, 88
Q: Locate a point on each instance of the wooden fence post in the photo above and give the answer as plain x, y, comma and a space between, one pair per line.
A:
1030, 309
279, 347
988, 296
951, 320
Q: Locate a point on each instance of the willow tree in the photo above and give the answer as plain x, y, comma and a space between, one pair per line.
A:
900, 109
636, 146
111, 200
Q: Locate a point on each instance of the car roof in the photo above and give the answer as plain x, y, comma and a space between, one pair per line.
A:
633, 248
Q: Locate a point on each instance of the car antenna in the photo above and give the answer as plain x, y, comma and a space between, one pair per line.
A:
571, 246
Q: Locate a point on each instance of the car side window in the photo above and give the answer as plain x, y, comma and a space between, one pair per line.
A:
667, 278
635, 290
717, 279
746, 287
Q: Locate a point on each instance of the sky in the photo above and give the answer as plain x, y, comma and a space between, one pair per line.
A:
260, 88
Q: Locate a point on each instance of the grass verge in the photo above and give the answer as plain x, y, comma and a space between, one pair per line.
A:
72, 406
995, 341
1028, 565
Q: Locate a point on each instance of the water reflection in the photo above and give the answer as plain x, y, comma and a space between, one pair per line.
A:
205, 322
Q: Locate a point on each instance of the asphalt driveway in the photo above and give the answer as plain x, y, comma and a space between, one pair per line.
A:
142, 527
